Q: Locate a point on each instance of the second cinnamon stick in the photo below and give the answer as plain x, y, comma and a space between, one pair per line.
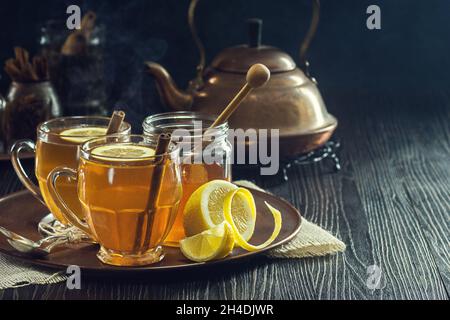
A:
115, 122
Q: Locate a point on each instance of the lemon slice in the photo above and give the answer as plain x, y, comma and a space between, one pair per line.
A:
122, 151
82, 134
229, 213
215, 243
204, 208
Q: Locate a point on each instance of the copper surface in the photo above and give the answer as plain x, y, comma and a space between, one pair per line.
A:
290, 102
21, 212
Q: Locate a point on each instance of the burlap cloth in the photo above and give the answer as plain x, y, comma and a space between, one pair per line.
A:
311, 241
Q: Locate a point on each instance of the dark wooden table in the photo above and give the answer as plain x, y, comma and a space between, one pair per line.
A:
390, 204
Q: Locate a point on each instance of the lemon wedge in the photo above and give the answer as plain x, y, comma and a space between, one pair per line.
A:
229, 210
215, 243
204, 209
214, 208
82, 134
122, 151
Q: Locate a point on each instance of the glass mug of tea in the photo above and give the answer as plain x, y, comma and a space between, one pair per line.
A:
129, 196
58, 143
194, 171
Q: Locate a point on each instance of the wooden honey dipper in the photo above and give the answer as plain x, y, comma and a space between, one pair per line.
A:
257, 76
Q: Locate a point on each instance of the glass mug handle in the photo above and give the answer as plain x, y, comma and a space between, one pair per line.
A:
18, 168
59, 201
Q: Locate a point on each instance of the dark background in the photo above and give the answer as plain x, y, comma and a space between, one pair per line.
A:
389, 88
409, 53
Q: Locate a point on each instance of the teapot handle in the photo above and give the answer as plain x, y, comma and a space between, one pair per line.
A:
303, 47
310, 34
201, 49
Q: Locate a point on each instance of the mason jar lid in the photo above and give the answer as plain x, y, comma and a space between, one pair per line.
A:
194, 123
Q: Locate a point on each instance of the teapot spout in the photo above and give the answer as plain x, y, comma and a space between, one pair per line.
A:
170, 94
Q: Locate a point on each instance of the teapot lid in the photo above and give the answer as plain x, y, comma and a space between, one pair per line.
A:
240, 58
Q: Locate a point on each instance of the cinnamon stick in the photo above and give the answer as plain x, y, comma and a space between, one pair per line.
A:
31, 72
77, 42
88, 23
162, 147
12, 70
163, 144
21, 70
22, 56
115, 122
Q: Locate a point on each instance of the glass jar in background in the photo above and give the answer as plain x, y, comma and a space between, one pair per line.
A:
193, 174
79, 78
28, 105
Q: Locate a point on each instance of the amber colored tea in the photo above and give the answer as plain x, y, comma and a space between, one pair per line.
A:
114, 201
128, 195
61, 150
188, 128
192, 177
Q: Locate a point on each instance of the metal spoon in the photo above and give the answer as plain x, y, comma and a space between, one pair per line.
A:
42, 247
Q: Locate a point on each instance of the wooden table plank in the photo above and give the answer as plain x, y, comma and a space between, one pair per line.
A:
426, 176
389, 204
399, 244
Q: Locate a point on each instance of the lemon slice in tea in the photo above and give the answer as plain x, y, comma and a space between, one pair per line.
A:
82, 134
123, 151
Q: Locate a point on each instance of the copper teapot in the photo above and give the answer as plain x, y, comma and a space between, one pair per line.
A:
290, 101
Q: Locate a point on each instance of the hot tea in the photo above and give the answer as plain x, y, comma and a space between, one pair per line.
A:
62, 150
114, 198
188, 128
58, 144
115, 185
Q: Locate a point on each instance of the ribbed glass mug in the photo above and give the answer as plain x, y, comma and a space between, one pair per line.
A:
129, 200
56, 146
196, 169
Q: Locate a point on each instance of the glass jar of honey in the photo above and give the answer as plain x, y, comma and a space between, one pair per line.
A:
205, 154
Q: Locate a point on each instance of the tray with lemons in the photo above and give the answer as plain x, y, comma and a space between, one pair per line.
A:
219, 216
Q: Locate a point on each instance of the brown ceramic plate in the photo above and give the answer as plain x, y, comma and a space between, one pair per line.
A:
20, 212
